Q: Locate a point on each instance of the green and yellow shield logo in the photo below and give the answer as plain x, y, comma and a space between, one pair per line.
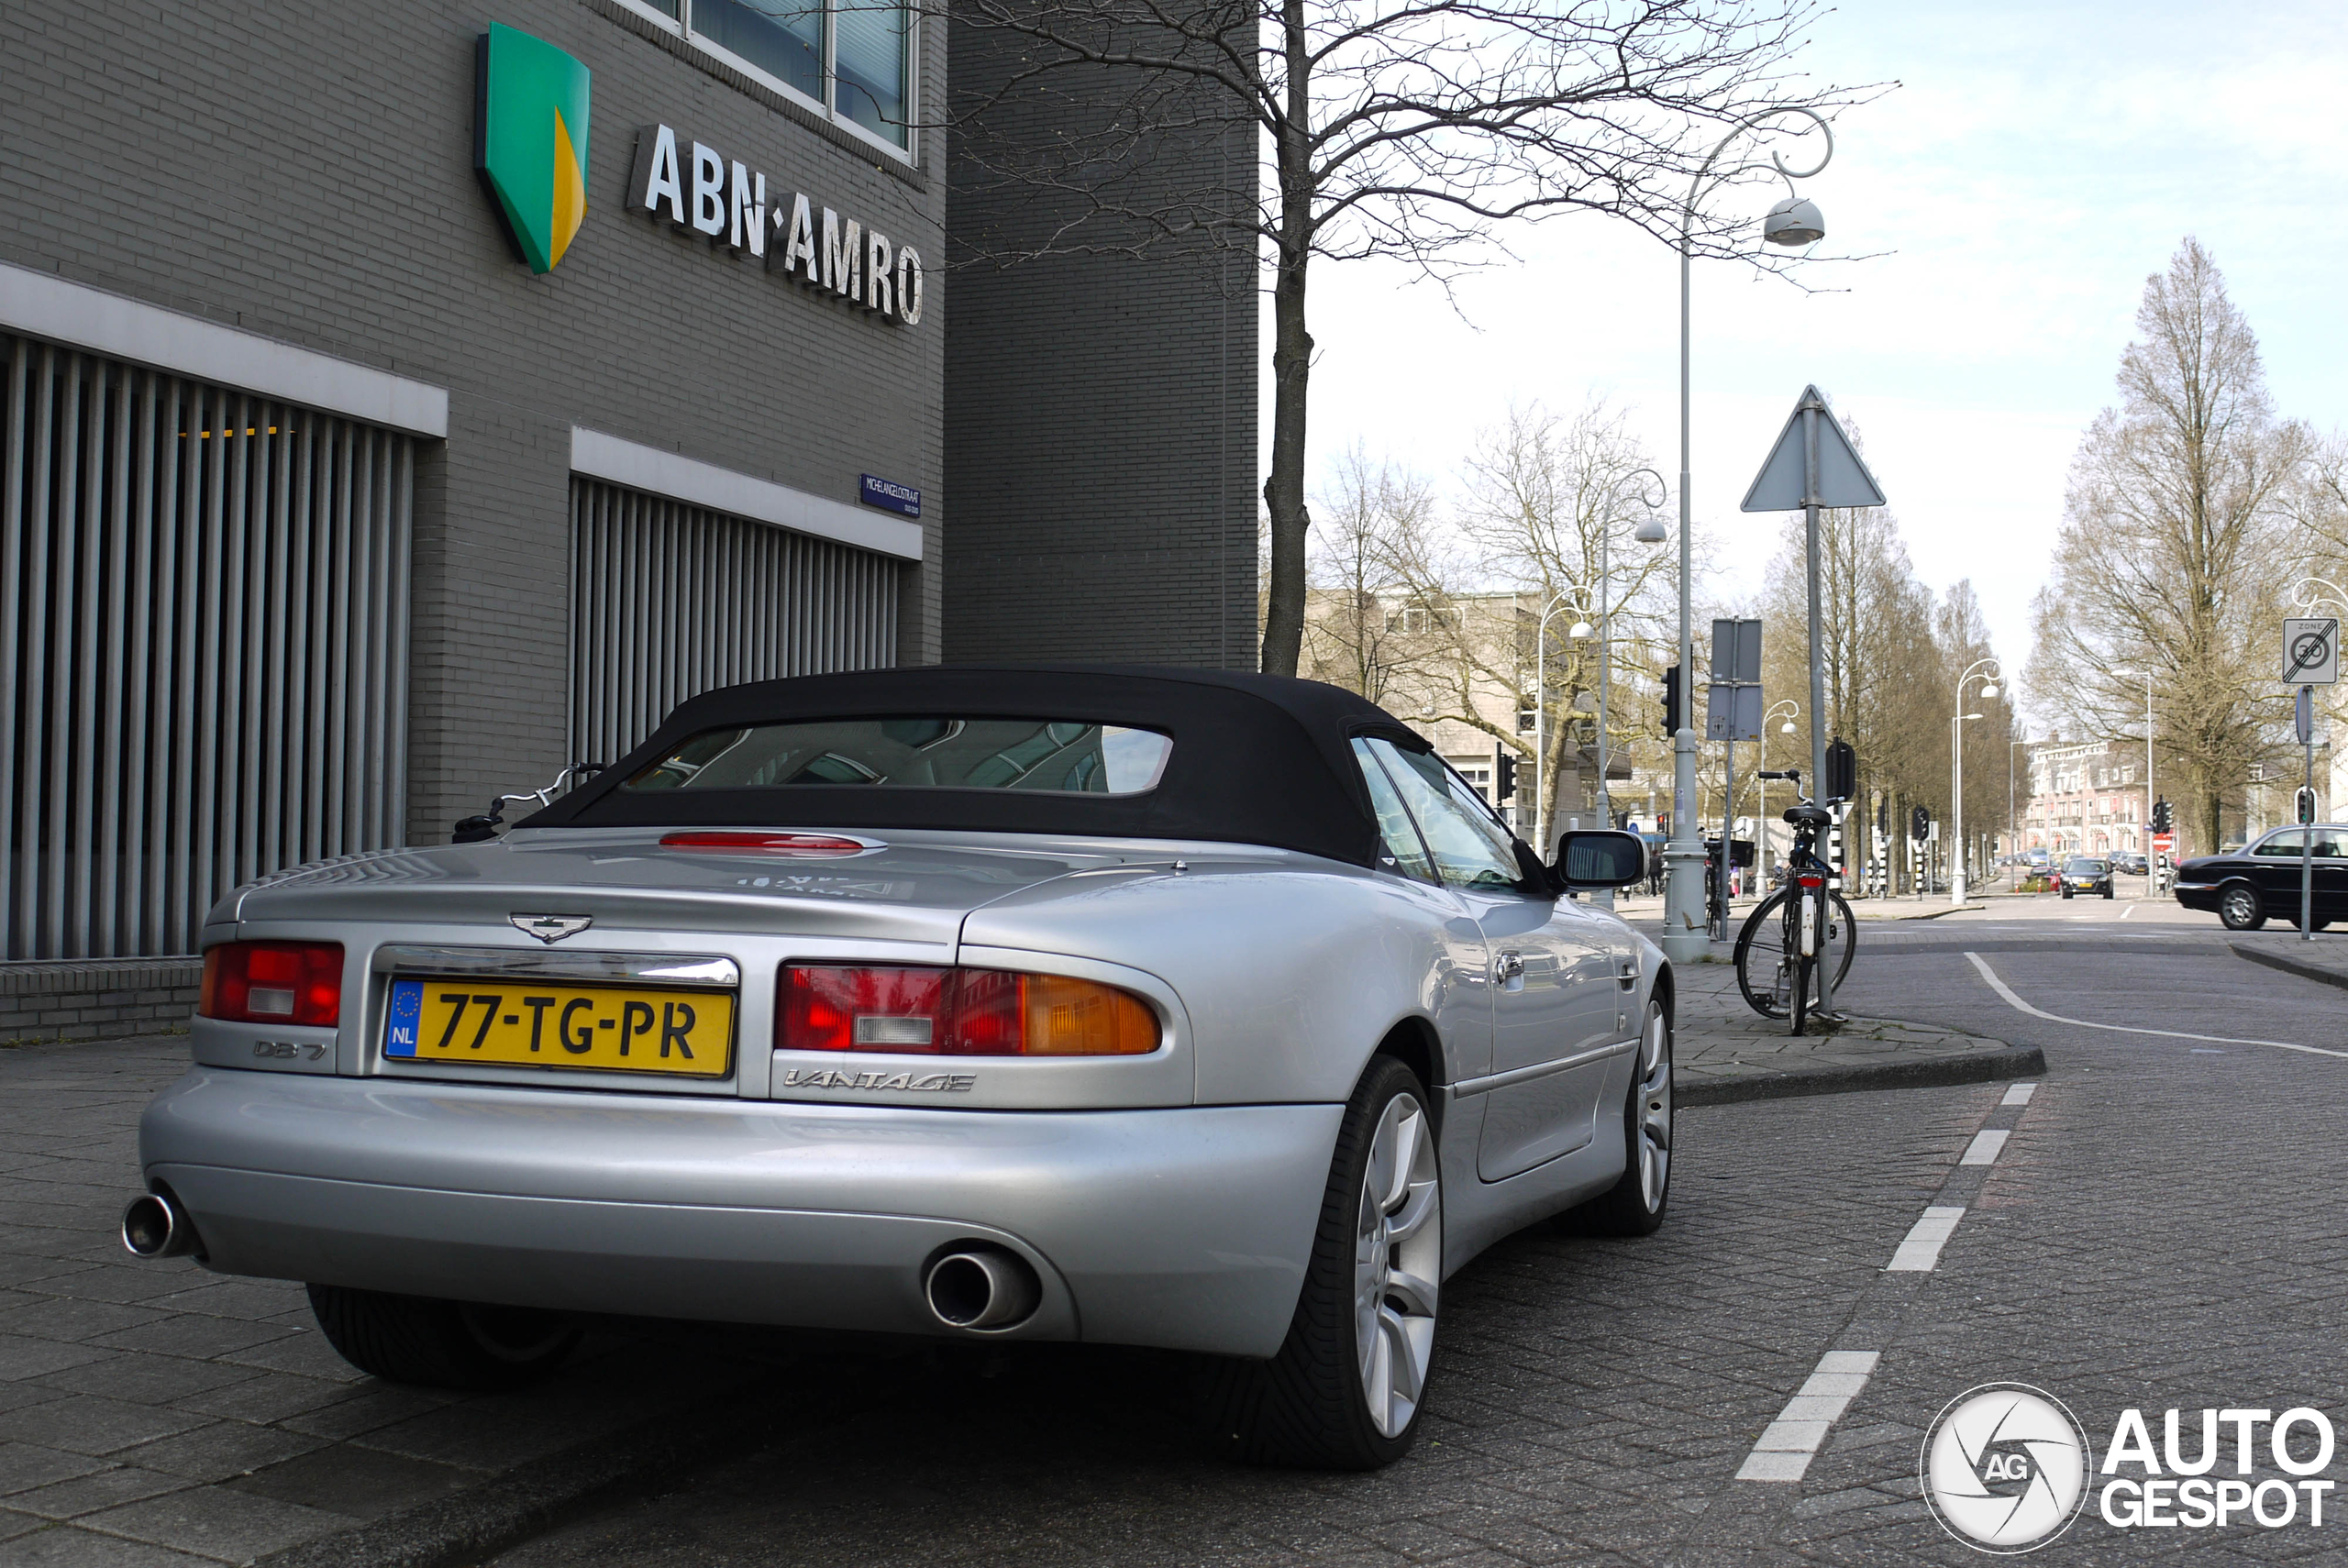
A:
530, 140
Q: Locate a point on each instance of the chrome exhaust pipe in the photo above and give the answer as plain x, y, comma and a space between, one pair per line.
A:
154, 1227
982, 1288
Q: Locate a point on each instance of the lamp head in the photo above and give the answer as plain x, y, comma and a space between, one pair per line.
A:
1787, 728
1972, 715
1652, 532
1580, 631
1794, 223
1988, 690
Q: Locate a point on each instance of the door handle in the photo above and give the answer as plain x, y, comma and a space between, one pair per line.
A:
1508, 966
1626, 972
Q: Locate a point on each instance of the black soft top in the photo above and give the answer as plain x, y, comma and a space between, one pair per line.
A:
1256, 758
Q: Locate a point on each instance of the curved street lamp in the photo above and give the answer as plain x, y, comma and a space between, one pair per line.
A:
1991, 667
1792, 222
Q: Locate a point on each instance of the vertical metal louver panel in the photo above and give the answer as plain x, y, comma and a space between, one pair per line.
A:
668, 600
202, 648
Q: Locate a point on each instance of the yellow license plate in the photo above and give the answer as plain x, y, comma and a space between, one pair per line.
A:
475, 1020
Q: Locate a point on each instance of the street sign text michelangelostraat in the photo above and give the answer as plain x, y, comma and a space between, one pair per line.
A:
2312, 650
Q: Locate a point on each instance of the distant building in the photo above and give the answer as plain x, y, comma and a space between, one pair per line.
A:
1409, 657
2086, 798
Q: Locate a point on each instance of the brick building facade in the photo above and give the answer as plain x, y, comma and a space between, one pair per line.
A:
326, 517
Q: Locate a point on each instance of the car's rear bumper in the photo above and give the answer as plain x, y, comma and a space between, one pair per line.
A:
1188, 1228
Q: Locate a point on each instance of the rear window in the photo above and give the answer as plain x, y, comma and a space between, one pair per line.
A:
1043, 756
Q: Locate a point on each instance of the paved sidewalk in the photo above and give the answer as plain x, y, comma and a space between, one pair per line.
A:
157, 1415
2325, 958
1727, 1051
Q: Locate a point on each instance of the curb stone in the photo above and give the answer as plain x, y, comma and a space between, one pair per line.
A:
1974, 1068
480, 1522
2289, 965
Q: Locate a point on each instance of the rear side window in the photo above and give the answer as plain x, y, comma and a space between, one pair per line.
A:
1399, 841
1470, 849
1043, 756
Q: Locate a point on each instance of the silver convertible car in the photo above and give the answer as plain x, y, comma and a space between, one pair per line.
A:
1166, 1008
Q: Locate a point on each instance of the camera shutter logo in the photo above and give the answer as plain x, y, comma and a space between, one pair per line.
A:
2005, 1467
530, 140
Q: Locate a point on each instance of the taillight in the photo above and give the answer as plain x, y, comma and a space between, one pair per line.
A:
784, 843
958, 1012
1812, 881
273, 982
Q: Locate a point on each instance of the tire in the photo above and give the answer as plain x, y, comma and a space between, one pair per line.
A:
1634, 1205
442, 1344
1376, 1265
2106, 890
2066, 893
2239, 909
1805, 982
1761, 964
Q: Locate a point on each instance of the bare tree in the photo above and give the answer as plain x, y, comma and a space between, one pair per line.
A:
1556, 501
1878, 656
1409, 129
1374, 517
2173, 546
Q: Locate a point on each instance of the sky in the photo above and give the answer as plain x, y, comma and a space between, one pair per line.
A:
2035, 163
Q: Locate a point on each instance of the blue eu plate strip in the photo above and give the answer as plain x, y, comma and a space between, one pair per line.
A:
407, 1016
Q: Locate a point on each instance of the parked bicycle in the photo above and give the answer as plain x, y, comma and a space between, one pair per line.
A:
1795, 933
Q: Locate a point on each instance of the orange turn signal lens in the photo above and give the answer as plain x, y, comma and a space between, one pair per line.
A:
958, 1012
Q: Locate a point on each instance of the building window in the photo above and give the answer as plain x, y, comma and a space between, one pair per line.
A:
850, 59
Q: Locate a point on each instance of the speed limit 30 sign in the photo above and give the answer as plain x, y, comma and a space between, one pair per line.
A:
2312, 651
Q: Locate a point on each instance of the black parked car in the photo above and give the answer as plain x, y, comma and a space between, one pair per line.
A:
2130, 864
2248, 887
2087, 874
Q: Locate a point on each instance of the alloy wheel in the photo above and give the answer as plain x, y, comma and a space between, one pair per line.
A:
1398, 1261
1655, 1111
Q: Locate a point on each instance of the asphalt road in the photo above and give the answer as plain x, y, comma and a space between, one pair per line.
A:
2159, 1229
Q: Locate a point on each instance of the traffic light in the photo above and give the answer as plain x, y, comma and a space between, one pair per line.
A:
1842, 771
1504, 775
2162, 814
1883, 816
1671, 702
1919, 825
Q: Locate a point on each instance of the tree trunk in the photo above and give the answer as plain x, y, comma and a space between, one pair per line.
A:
1284, 488
1291, 360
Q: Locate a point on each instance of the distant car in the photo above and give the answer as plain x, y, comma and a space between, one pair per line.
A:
2247, 888
2130, 865
2038, 857
2087, 874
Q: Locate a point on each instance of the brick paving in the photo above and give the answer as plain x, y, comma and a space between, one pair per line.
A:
152, 1413
1595, 1397
2161, 1229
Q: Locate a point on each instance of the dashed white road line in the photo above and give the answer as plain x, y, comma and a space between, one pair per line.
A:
2018, 1094
2018, 1005
1983, 1150
1789, 1443
1922, 1249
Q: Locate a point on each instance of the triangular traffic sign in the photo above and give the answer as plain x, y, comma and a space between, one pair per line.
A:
1842, 479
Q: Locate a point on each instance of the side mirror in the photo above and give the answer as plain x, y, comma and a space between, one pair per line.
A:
1600, 858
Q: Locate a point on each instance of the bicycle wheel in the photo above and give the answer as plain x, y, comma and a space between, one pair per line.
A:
1765, 957
1841, 941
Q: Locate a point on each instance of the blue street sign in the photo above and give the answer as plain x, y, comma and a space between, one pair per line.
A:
889, 495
